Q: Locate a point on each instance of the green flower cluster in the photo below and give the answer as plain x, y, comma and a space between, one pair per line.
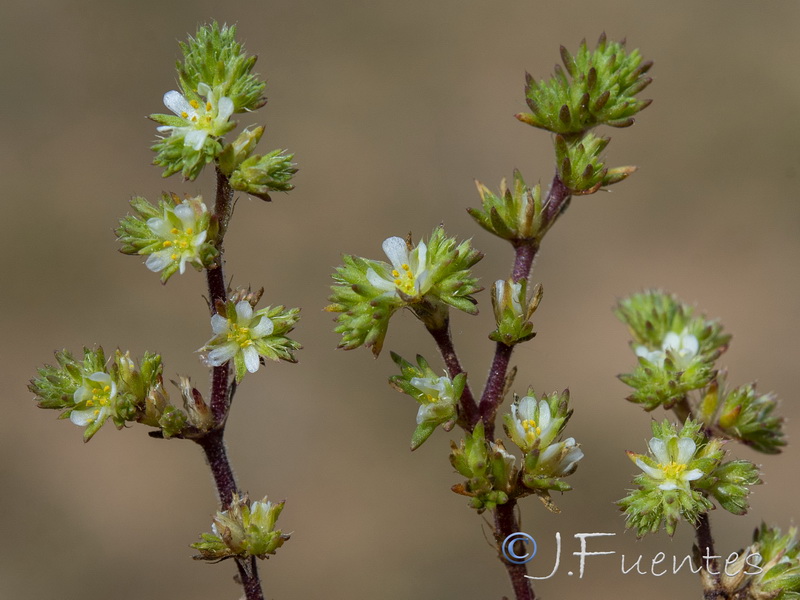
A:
426, 278
243, 530
216, 81
437, 396
94, 390
247, 337
683, 470
676, 349
491, 472
535, 425
171, 234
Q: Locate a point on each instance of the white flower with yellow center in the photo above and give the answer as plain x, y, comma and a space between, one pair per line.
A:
683, 346
409, 274
672, 458
180, 235
439, 402
202, 119
559, 460
94, 400
239, 337
531, 420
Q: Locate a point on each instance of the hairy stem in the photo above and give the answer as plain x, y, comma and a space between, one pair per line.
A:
505, 523
444, 341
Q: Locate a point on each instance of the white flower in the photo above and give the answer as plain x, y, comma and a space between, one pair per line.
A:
409, 273
240, 336
506, 294
94, 400
531, 419
181, 235
672, 457
683, 346
201, 119
439, 402
560, 459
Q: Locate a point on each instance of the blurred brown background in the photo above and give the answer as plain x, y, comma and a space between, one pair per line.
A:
392, 109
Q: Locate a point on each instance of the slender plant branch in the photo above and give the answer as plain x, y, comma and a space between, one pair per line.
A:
505, 523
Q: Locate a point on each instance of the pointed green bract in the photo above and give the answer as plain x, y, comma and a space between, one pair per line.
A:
260, 175
515, 214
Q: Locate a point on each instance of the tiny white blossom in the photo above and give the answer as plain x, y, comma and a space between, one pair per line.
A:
531, 419
683, 346
409, 273
561, 459
94, 400
201, 119
439, 401
181, 235
672, 457
239, 336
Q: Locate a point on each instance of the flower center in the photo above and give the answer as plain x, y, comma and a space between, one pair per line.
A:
182, 242
405, 281
532, 430
673, 469
240, 335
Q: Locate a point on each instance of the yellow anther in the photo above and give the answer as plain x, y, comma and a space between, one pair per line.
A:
398, 282
208, 106
183, 244
395, 273
405, 267
166, 244
189, 230
174, 257
194, 103
174, 231
103, 401
184, 114
107, 389
96, 411
89, 403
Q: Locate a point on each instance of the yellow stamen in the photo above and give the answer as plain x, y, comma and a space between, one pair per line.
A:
184, 114
194, 103
167, 244
208, 106
174, 231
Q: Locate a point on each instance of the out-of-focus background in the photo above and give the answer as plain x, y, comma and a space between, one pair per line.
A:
392, 110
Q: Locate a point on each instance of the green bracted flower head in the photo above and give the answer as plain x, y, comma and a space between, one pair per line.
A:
426, 278
779, 578
676, 349
94, 400
173, 234
674, 478
246, 336
245, 529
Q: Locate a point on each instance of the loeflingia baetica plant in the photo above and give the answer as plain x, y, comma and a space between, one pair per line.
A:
676, 350
216, 82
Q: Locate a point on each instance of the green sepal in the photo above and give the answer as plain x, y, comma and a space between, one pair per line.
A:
422, 433
450, 263
214, 57
258, 175
598, 87
779, 578
580, 168
55, 387
513, 311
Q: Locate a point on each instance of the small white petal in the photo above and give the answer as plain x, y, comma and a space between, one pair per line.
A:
158, 261
160, 227
690, 345
244, 313
224, 109
526, 409
672, 341
396, 250
219, 356
177, 103
251, 358
692, 475
264, 328
379, 282
422, 257
686, 449
186, 214
544, 415
203, 89
219, 324
651, 471
195, 138
668, 485
659, 449
82, 417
